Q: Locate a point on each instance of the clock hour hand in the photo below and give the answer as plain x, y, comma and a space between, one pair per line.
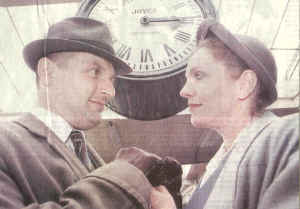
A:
146, 20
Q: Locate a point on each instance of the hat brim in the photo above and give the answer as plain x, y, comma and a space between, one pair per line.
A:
41, 48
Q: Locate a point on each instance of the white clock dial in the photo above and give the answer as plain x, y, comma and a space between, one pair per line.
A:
153, 37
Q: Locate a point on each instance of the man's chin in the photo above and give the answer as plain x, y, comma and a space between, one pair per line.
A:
94, 121
88, 125
89, 121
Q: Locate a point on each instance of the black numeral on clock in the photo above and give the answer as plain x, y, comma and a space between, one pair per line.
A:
124, 52
183, 36
169, 50
145, 55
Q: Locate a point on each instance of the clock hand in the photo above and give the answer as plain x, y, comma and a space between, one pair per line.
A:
146, 20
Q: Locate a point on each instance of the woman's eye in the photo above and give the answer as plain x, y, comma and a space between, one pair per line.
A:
199, 75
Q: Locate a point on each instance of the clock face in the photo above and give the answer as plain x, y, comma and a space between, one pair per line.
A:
153, 37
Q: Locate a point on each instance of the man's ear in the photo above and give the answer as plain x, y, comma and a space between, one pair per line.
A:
246, 84
45, 68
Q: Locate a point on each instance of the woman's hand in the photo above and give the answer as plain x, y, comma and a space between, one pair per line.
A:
161, 198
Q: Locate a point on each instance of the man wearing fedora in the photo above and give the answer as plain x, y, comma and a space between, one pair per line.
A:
231, 79
45, 161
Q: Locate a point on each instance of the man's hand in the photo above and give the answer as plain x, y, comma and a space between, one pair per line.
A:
168, 173
161, 199
141, 159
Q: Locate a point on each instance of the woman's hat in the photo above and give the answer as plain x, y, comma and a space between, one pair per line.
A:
253, 52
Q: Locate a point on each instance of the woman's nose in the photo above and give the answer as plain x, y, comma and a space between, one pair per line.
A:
186, 91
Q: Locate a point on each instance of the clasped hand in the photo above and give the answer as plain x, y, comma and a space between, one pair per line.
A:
164, 175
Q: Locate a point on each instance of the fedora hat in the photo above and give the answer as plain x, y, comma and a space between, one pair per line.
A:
75, 34
253, 52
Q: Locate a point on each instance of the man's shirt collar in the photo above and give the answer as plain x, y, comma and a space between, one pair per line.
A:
54, 122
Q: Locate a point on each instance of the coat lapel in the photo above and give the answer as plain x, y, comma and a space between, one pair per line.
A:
37, 127
96, 160
250, 134
225, 184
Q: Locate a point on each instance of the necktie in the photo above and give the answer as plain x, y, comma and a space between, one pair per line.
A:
80, 148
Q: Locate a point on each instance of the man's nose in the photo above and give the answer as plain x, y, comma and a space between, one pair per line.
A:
107, 89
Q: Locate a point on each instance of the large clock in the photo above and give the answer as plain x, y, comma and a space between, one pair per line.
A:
155, 38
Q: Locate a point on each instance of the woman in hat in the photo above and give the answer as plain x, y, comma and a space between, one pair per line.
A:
231, 79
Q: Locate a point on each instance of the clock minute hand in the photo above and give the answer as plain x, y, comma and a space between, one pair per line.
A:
146, 20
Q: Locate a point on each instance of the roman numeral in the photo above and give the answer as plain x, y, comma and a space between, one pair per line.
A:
145, 55
124, 51
178, 5
169, 50
111, 10
183, 36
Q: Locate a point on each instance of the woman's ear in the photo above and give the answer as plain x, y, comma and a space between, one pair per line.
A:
246, 84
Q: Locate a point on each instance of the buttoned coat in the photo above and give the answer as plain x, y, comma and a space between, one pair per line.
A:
38, 171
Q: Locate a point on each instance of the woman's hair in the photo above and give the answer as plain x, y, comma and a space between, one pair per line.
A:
235, 65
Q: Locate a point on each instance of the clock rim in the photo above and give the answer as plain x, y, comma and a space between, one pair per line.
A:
207, 10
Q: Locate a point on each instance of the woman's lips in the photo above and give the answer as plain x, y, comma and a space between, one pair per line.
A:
193, 106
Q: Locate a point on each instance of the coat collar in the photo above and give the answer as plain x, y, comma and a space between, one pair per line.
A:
250, 133
34, 125
242, 144
37, 127
54, 122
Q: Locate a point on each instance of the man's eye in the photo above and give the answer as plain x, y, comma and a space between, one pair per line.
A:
93, 72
